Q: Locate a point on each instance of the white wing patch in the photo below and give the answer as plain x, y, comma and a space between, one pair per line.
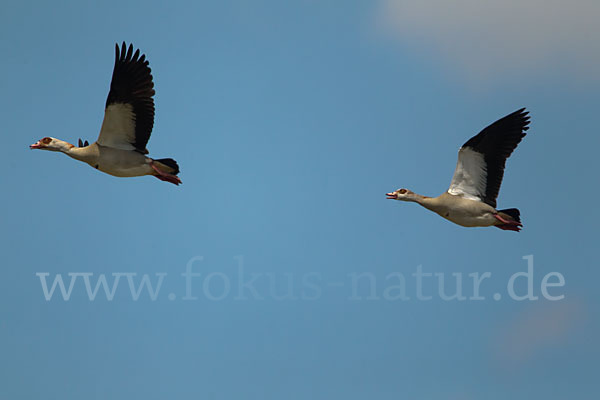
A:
470, 177
118, 127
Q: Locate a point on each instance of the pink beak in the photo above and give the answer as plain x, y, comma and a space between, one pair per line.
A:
36, 145
391, 196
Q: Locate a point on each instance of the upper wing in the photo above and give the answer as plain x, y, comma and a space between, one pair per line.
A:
129, 113
482, 158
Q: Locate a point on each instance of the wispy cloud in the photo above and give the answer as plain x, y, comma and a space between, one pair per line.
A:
538, 328
497, 40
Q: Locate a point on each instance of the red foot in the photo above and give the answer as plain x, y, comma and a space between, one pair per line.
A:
163, 176
174, 179
508, 225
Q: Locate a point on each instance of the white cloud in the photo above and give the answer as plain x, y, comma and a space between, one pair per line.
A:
500, 39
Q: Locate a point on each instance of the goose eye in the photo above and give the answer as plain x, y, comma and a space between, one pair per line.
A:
402, 191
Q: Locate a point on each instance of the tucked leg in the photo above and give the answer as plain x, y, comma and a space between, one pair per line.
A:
507, 225
163, 176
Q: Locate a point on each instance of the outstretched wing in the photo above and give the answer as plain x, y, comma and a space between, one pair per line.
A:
482, 158
129, 113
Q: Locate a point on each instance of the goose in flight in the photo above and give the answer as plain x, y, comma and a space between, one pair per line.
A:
471, 199
128, 120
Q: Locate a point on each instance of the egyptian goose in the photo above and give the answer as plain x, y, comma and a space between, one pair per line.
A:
471, 199
128, 119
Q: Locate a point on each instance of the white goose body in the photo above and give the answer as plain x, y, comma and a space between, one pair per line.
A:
115, 162
128, 120
462, 211
470, 200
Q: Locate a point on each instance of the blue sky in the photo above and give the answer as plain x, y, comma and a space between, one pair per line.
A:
290, 121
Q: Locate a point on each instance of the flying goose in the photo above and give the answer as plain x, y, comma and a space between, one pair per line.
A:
471, 199
128, 119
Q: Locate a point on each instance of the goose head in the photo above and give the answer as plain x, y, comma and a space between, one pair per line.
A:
51, 144
401, 194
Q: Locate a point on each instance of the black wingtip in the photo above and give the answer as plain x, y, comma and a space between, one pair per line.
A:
521, 114
523, 111
125, 53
